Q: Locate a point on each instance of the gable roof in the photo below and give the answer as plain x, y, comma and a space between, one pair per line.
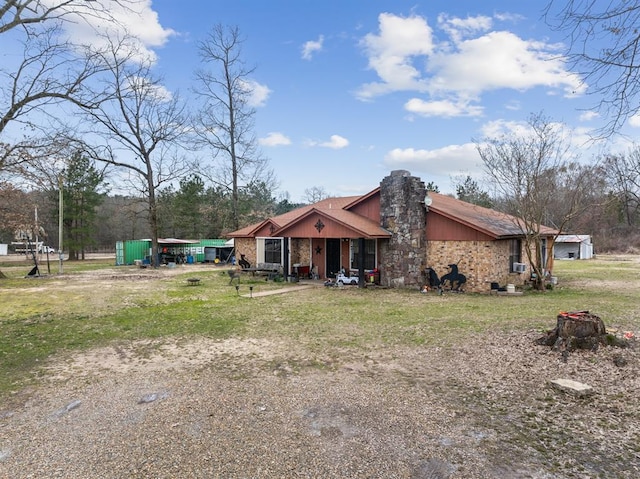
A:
360, 225
331, 208
490, 222
573, 239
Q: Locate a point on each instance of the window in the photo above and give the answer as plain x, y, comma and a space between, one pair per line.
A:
269, 250
515, 251
272, 250
369, 254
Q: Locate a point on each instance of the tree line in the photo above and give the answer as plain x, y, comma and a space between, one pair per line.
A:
601, 198
74, 117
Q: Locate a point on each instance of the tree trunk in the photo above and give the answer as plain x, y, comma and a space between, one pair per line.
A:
576, 329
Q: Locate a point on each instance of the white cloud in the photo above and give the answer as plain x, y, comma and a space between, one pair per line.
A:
458, 70
274, 139
137, 21
442, 108
459, 28
258, 93
159, 92
310, 47
442, 161
500, 60
578, 140
508, 17
392, 51
500, 128
589, 115
513, 105
336, 142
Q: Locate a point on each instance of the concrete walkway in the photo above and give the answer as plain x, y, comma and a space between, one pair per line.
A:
289, 289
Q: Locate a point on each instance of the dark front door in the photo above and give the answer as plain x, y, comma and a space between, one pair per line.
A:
333, 257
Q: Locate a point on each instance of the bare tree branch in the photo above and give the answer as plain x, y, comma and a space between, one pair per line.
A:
529, 171
224, 124
49, 72
28, 13
603, 41
142, 123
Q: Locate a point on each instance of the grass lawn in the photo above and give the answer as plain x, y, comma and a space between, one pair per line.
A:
94, 304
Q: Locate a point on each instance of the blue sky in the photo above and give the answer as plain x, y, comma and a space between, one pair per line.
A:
347, 90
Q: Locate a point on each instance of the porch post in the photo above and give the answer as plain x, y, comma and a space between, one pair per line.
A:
285, 261
361, 278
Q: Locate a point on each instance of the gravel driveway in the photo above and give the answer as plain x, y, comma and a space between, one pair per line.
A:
256, 409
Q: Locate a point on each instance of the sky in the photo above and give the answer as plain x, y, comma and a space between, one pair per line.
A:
348, 90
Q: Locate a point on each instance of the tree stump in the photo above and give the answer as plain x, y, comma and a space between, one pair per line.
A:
575, 330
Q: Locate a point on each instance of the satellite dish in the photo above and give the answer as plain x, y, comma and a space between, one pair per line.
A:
427, 200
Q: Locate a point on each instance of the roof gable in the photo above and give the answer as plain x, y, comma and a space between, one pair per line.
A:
347, 223
353, 217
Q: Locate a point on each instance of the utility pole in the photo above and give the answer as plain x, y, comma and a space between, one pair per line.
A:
60, 223
37, 239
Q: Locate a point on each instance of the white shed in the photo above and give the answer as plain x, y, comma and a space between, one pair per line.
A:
573, 247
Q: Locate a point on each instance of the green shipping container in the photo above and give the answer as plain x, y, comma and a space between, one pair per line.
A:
127, 252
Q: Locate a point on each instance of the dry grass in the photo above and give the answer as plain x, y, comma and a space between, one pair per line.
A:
412, 385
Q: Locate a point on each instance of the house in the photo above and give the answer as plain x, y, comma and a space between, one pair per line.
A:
573, 247
392, 234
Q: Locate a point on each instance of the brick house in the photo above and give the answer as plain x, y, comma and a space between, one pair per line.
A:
392, 234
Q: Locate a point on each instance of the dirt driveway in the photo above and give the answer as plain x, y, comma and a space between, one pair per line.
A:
258, 409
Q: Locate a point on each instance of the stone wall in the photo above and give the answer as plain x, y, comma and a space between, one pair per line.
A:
301, 251
246, 246
402, 212
482, 262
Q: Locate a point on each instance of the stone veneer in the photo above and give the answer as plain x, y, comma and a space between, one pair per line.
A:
482, 262
402, 212
246, 246
300, 251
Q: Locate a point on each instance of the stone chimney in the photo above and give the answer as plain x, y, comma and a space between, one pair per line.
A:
403, 214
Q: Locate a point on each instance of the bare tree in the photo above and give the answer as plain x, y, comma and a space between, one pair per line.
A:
224, 124
529, 171
50, 69
141, 125
314, 194
29, 13
623, 174
604, 47
16, 213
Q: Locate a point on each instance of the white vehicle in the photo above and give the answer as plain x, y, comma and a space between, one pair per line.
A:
46, 249
342, 279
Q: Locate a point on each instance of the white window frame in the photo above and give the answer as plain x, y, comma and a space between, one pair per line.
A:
260, 248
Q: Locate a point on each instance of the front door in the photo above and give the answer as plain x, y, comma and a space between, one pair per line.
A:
333, 257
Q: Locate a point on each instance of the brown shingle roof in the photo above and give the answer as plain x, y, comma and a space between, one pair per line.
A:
333, 208
491, 222
360, 225
488, 221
